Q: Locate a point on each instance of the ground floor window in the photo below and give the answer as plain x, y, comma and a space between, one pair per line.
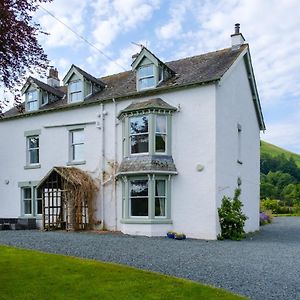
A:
146, 197
31, 201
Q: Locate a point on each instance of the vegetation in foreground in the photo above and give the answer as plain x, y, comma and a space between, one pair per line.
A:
27, 274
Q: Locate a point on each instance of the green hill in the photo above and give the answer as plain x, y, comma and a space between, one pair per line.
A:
274, 151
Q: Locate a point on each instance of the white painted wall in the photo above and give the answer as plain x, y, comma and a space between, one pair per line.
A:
203, 134
234, 105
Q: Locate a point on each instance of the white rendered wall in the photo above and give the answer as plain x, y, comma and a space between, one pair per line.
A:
193, 143
235, 105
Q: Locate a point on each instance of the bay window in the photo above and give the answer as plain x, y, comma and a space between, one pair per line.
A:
160, 133
147, 199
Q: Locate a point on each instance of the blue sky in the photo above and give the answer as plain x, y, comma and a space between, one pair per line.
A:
176, 29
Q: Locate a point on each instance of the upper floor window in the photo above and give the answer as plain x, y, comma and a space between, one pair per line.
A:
146, 77
33, 150
44, 99
75, 91
139, 134
160, 133
77, 145
32, 101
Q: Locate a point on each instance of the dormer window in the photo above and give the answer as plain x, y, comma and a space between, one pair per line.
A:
150, 71
32, 100
146, 77
75, 90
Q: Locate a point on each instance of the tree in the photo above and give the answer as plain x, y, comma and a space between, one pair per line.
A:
19, 48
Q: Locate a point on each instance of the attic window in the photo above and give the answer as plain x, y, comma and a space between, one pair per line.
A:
146, 77
32, 100
75, 91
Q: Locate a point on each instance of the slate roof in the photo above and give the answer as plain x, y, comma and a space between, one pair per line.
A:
155, 103
46, 87
200, 69
147, 164
89, 76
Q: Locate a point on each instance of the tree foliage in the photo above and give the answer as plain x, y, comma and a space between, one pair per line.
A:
280, 180
20, 50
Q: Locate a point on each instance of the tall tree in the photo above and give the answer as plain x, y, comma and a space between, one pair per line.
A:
19, 48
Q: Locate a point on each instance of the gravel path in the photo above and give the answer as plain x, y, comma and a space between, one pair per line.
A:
266, 266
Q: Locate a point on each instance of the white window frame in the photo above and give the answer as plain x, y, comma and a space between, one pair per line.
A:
46, 97
140, 78
28, 149
36, 202
27, 200
33, 100
72, 146
164, 197
77, 91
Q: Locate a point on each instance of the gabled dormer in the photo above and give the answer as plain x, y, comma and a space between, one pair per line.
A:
150, 71
38, 94
81, 84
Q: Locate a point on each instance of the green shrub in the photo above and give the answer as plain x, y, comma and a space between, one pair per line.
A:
231, 217
268, 204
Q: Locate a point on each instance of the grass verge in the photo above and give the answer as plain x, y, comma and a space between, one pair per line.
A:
27, 274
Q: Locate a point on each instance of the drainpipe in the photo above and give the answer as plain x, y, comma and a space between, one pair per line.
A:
102, 112
115, 164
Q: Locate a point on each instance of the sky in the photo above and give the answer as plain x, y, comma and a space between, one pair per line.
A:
174, 29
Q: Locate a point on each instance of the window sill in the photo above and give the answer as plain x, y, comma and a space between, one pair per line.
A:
76, 163
33, 166
146, 221
239, 162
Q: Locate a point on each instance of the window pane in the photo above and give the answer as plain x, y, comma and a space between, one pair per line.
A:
78, 152
39, 193
33, 142
77, 137
160, 143
33, 105
138, 124
76, 97
39, 207
139, 143
34, 156
44, 98
27, 207
160, 209
26, 193
160, 188
138, 188
147, 83
75, 86
146, 71
139, 207
32, 96
161, 124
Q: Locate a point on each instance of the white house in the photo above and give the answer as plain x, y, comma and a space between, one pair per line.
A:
165, 141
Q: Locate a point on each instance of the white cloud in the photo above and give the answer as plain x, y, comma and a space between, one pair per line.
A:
116, 17
71, 15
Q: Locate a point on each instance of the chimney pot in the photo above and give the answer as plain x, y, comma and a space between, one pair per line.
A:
237, 38
237, 28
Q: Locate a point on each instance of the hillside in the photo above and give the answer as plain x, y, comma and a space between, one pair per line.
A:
273, 150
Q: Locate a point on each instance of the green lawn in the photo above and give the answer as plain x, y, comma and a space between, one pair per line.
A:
275, 150
26, 274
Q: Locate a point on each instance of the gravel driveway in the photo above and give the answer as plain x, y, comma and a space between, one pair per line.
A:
266, 266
